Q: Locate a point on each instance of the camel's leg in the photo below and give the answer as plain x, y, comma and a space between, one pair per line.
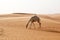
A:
39, 24
34, 25
30, 25
27, 24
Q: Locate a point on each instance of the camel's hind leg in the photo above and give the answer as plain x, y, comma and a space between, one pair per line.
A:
39, 24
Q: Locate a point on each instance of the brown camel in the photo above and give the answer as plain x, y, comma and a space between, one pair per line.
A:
34, 19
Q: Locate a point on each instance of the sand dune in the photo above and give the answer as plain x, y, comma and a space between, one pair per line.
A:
16, 15
55, 16
14, 28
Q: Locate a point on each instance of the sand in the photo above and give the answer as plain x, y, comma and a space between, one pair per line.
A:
14, 28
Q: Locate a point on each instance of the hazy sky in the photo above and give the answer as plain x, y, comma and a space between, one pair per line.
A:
30, 6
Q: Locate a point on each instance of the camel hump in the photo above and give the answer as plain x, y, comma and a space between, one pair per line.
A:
35, 17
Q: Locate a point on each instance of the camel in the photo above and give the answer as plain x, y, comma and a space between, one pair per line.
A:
34, 19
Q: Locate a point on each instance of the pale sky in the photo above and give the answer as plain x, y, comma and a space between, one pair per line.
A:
30, 6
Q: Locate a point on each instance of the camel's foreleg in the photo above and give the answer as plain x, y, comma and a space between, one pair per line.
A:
34, 25
27, 23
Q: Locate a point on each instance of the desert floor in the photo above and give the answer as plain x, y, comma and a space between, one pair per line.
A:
14, 28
